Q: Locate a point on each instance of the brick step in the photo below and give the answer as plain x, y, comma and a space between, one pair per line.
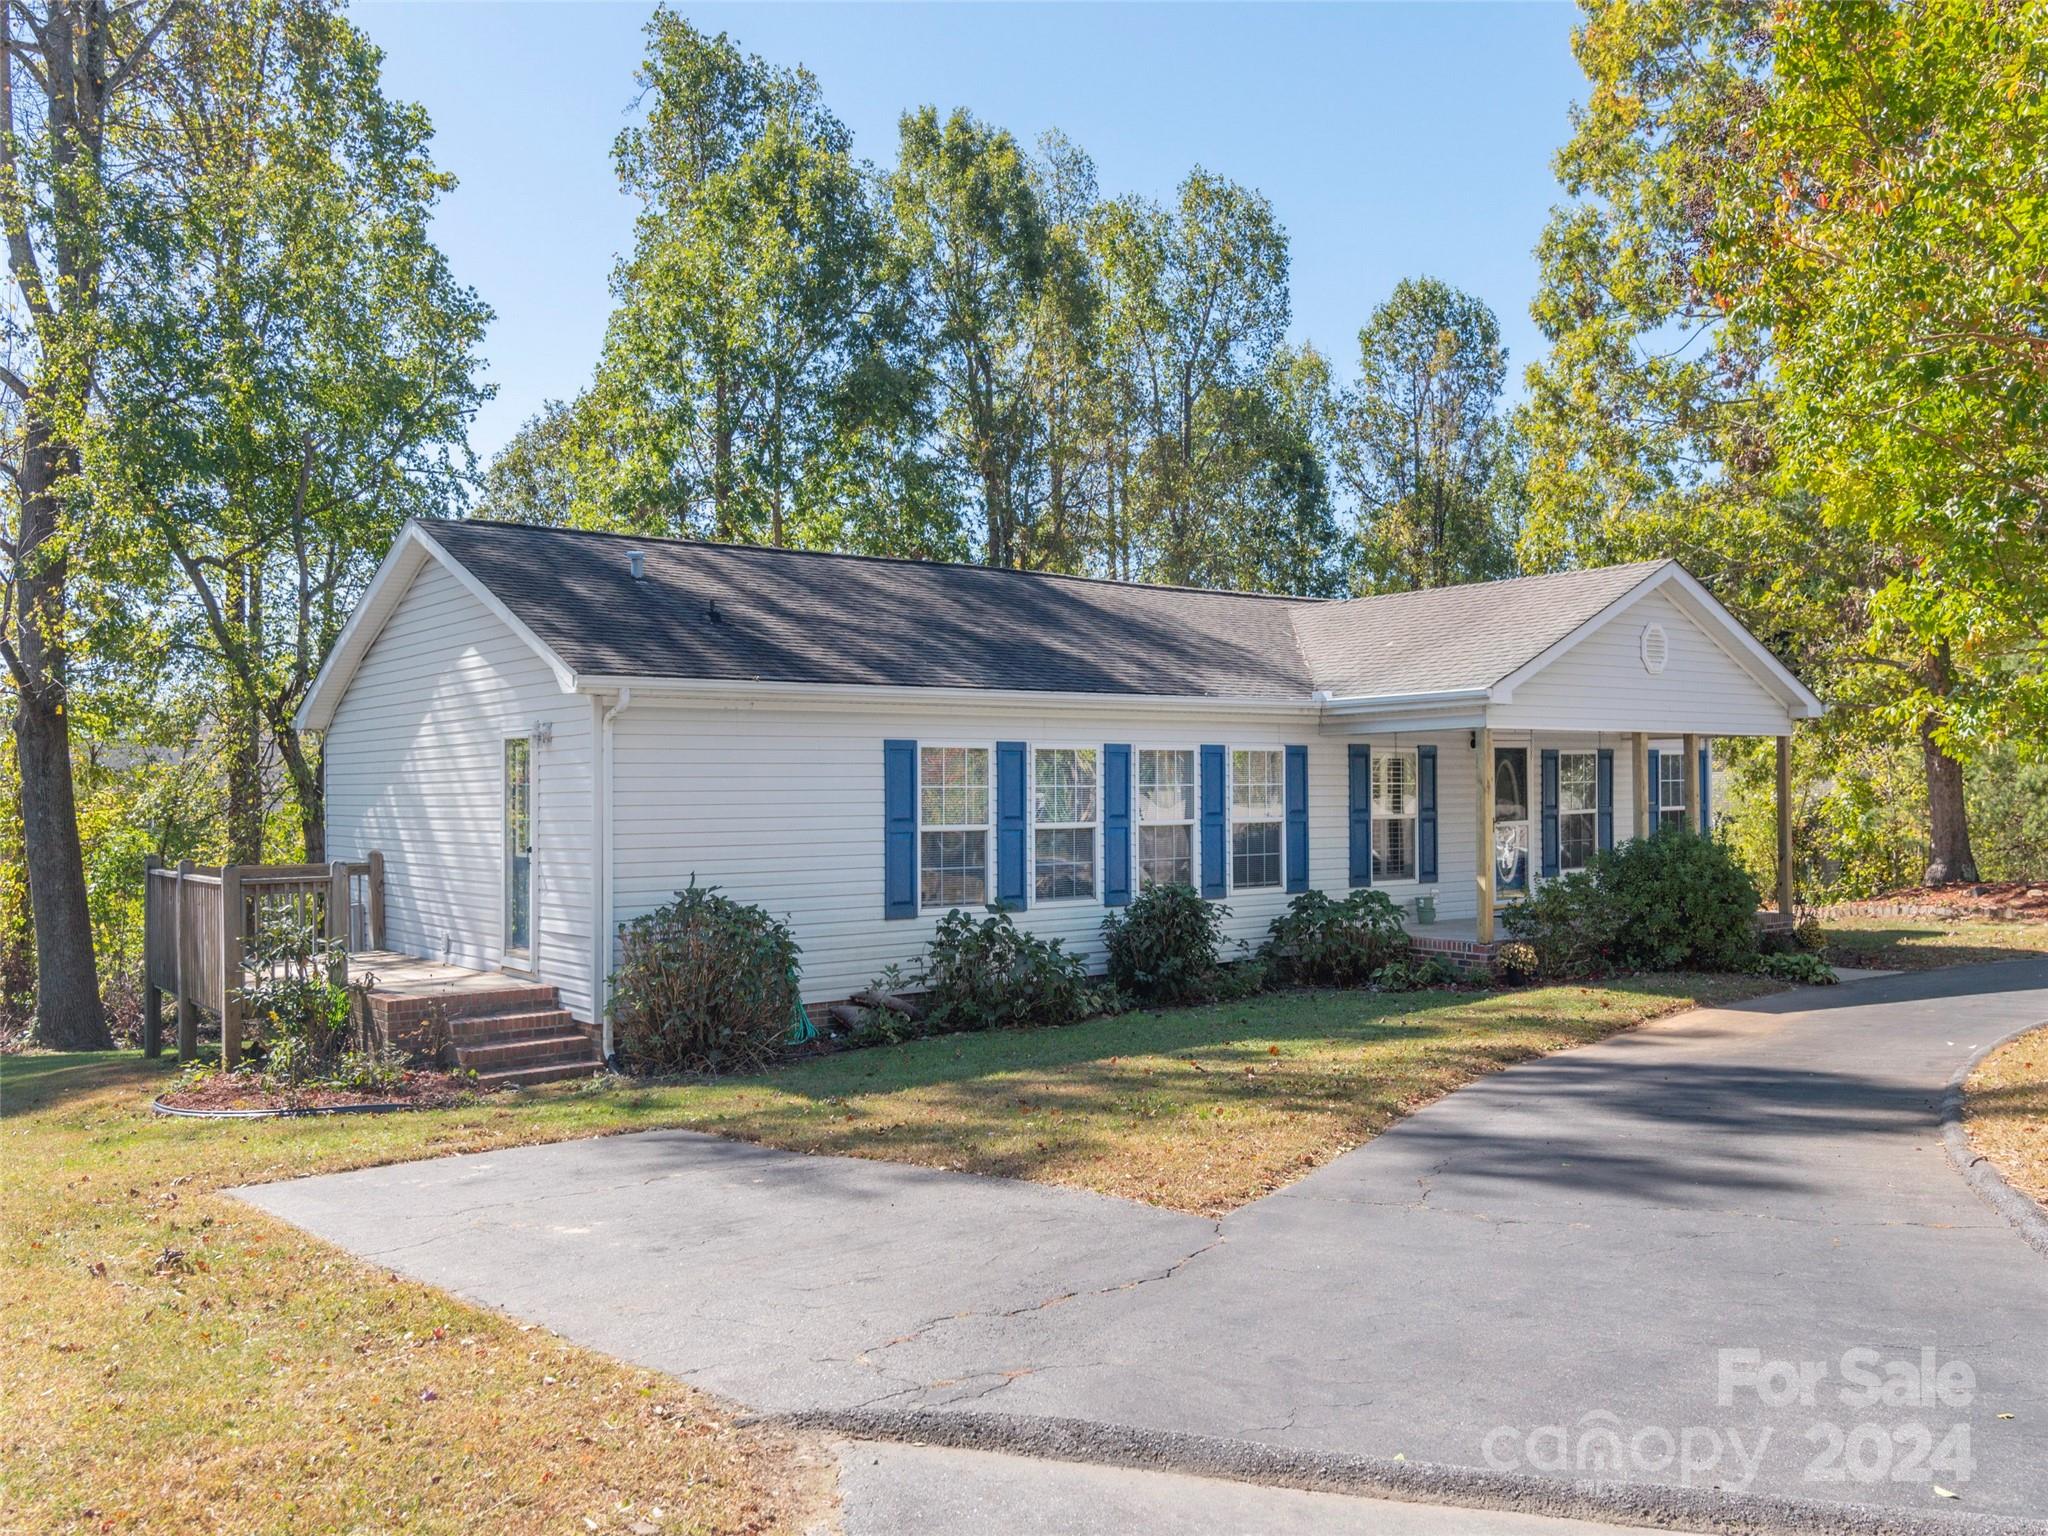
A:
515, 1023
410, 1009
531, 1051
528, 1077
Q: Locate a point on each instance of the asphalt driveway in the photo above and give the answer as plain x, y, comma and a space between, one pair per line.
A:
1723, 1251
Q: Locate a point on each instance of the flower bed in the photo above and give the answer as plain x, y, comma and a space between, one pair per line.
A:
248, 1093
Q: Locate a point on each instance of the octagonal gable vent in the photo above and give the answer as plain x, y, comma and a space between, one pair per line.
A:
1656, 647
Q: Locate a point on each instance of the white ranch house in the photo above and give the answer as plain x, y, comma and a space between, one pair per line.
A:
546, 732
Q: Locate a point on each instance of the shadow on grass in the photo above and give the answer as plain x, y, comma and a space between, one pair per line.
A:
32, 1081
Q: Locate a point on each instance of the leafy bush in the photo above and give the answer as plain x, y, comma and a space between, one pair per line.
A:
1673, 901
1163, 947
1808, 935
1415, 975
1320, 942
295, 1002
706, 983
1809, 970
991, 974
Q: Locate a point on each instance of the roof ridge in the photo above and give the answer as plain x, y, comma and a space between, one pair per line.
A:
834, 554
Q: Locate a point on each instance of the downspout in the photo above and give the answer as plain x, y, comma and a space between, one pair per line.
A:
601, 982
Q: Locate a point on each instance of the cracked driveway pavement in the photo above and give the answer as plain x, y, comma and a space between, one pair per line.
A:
1569, 1243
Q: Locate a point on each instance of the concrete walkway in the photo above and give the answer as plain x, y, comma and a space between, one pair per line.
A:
1650, 1259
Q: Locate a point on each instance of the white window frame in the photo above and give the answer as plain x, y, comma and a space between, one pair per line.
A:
1193, 821
510, 959
1276, 818
1674, 808
987, 827
1591, 813
1413, 816
1094, 893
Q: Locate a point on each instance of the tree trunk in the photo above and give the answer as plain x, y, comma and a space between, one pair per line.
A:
68, 1015
1950, 858
309, 788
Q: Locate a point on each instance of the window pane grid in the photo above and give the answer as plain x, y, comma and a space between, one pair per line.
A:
1064, 806
1256, 783
953, 813
1255, 854
1393, 815
1166, 817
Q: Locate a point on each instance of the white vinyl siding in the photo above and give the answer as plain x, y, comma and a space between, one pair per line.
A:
415, 767
1600, 684
781, 804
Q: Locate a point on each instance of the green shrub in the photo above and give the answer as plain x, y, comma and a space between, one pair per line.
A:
991, 974
1415, 975
1809, 970
1673, 901
706, 984
1163, 947
295, 1003
1324, 943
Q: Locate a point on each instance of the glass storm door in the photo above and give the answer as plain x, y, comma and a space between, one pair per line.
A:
518, 846
1511, 821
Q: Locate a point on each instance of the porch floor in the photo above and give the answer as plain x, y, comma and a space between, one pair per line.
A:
410, 976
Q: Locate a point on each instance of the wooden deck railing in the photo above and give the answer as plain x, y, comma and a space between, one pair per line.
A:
198, 925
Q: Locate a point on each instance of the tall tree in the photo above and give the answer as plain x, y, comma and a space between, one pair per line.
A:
1722, 351
290, 377
74, 82
745, 307
1424, 450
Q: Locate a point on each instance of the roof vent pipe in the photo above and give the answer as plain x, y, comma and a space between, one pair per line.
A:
638, 562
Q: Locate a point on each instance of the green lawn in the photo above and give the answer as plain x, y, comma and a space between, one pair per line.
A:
174, 1360
1923, 943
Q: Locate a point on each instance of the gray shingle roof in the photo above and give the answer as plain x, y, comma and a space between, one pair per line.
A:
745, 613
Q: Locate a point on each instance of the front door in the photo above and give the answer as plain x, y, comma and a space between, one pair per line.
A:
518, 847
1511, 821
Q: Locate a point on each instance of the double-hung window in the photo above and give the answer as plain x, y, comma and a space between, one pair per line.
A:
1258, 800
1393, 815
1166, 817
1064, 807
1671, 790
953, 815
1577, 809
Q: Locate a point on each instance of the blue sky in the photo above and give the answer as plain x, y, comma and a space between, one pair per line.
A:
1394, 140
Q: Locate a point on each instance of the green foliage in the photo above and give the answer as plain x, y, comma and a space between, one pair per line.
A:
1808, 970
295, 1003
1673, 901
1415, 975
1431, 463
705, 984
988, 973
1164, 948
1321, 942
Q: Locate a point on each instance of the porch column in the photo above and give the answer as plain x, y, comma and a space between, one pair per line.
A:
1483, 819
1692, 782
1785, 824
1644, 789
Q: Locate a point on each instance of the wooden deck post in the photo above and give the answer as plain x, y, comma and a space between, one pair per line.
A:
376, 898
1785, 825
1645, 792
1691, 765
1484, 820
188, 1009
230, 964
152, 994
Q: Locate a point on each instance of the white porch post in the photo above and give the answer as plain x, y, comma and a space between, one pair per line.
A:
1484, 821
1645, 791
1785, 825
1692, 783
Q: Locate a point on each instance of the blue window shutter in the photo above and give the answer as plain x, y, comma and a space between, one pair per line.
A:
899, 828
1296, 833
1655, 790
1706, 772
1549, 814
1425, 813
1013, 796
1116, 826
1604, 796
1361, 813
1215, 872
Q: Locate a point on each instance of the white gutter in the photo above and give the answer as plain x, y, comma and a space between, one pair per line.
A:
661, 689
600, 981
1378, 703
